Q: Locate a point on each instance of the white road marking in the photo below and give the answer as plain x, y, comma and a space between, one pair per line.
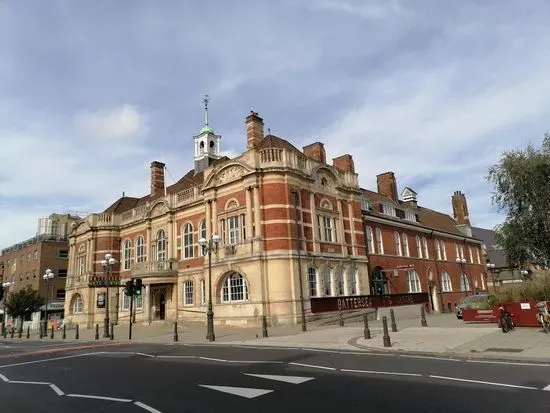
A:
212, 359
4, 378
45, 360
511, 363
285, 379
255, 361
390, 373
428, 358
312, 366
484, 382
146, 407
239, 391
89, 396
57, 390
318, 350
547, 388
29, 382
145, 355
176, 357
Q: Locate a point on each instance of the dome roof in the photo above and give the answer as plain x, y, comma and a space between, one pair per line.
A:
207, 129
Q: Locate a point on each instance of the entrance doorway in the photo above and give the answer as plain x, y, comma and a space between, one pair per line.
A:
379, 282
162, 307
434, 302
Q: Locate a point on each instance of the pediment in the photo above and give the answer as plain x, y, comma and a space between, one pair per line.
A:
158, 209
227, 173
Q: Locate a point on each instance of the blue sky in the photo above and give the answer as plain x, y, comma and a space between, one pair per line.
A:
92, 91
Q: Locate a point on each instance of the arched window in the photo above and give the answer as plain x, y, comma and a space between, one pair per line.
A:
140, 250
425, 248
437, 250
187, 241
418, 246
202, 233
379, 241
188, 292
413, 282
352, 280
464, 283
312, 281
446, 284
78, 304
398, 250
443, 251
327, 281
470, 255
234, 289
127, 254
339, 273
405, 239
370, 240
161, 245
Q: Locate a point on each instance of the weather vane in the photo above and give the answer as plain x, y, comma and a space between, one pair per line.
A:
205, 101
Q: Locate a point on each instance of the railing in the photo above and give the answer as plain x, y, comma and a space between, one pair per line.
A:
155, 268
186, 196
134, 214
74, 280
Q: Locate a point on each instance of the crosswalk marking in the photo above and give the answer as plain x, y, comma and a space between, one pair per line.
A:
286, 379
238, 391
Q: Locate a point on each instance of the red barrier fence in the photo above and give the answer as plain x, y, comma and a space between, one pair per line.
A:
524, 314
357, 302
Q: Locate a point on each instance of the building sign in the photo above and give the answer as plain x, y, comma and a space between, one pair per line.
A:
104, 281
54, 306
357, 302
101, 300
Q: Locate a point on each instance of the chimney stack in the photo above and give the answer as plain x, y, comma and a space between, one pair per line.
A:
316, 151
254, 130
344, 162
157, 179
387, 185
460, 208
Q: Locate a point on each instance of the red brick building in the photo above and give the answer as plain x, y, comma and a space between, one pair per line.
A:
261, 204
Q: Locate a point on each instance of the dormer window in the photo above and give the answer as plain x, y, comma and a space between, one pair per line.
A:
365, 204
410, 216
388, 209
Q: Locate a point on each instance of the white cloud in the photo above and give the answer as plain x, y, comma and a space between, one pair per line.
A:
121, 123
375, 10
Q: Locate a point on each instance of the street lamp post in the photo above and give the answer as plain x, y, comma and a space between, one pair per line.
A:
48, 275
209, 246
6, 286
107, 264
298, 248
462, 263
491, 269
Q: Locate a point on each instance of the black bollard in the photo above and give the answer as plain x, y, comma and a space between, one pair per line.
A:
340, 318
392, 318
97, 331
112, 332
20, 332
175, 331
64, 331
264, 326
366, 324
28, 331
76, 335
51, 333
423, 317
40, 335
11, 332
386, 337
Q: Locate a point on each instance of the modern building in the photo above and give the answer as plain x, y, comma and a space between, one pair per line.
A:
290, 226
24, 264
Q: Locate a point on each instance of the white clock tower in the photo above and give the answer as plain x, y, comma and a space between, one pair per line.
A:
207, 143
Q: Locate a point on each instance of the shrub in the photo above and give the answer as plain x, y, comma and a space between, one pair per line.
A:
536, 290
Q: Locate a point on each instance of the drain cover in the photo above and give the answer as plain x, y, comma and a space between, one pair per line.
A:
505, 350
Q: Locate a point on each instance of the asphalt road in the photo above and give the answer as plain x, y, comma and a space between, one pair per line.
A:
163, 378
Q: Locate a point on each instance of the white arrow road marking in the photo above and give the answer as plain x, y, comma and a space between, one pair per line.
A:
547, 388
286, 379
239, 391
146, 407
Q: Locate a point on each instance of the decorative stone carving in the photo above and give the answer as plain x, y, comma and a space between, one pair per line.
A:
159, 209
231, 173
82, 228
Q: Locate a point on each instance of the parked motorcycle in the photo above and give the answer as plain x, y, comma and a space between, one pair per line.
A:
543, 316
505, 321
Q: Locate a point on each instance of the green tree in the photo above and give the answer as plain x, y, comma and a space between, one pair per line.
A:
522, 190
23, 303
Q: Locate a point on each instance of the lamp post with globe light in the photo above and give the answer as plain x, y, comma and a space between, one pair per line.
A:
462, 263
107, 265
48, 275
491, 268
209, 246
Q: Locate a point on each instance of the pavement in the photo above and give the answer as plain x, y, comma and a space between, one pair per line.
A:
162, 378
445, 336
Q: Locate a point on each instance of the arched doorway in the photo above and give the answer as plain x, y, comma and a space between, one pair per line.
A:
379, 282
162, 307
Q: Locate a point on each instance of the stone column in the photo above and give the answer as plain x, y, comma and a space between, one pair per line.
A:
257, 214
248, 224
208, 218
215, 228
90, 256
149, 244
148, 302
171, 239
314, 223
352, 227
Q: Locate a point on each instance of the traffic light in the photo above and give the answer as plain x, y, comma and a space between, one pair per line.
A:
128, 290
137, 286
